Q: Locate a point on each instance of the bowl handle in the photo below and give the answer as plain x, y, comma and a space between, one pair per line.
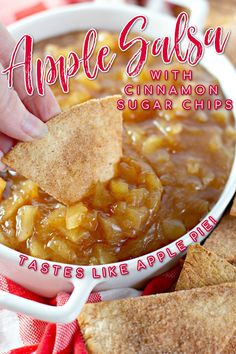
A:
55, 314
198, 10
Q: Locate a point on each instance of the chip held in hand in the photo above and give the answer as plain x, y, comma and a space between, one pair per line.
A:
82, 147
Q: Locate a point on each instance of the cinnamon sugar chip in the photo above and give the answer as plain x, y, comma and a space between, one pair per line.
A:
189, 321
203, 268
81, 148
222, 240
233, 208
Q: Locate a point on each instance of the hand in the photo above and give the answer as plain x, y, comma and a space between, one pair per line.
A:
22, 117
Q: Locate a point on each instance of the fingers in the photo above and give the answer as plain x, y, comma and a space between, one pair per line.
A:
15, 120
6, 143
43, 107
2, 166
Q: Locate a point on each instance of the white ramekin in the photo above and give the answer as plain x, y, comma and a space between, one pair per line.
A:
110, 17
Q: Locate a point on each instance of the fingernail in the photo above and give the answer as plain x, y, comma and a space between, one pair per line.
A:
34, 128
2, 165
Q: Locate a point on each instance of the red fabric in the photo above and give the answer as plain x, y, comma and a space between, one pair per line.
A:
46, 338
163, 282
30, 10
17, 9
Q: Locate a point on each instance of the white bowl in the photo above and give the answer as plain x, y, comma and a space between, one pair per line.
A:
102, 16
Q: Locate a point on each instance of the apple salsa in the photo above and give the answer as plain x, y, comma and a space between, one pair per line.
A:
174, 167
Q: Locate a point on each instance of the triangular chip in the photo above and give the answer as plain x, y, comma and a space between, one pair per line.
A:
233, 208
231, 346
223, 239
189, 321
203, 268
81, 148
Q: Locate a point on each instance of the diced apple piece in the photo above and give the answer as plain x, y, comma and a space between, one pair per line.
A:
135, 218
137, 196
215, 144
153, 182
77, 235
102, 197
38, 249
174, 129
112, 231
63, 250
119, 189
230, 133
102, 254
106, 38
152, 144
2, 186
154, 200
30, 189
90, 221
220, 116
128, 172
144, 76
74, 215
25, 220
5, 240
91, 85
173, 229
120, 208
56, 218
201, 116
135, 134
10, 206
193, 167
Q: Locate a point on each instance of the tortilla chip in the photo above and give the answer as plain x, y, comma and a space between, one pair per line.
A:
231, 346
222, 241
203, 268
233, 208
81, 148
189, 321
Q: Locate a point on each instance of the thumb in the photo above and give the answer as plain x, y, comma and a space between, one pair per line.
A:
15, 120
